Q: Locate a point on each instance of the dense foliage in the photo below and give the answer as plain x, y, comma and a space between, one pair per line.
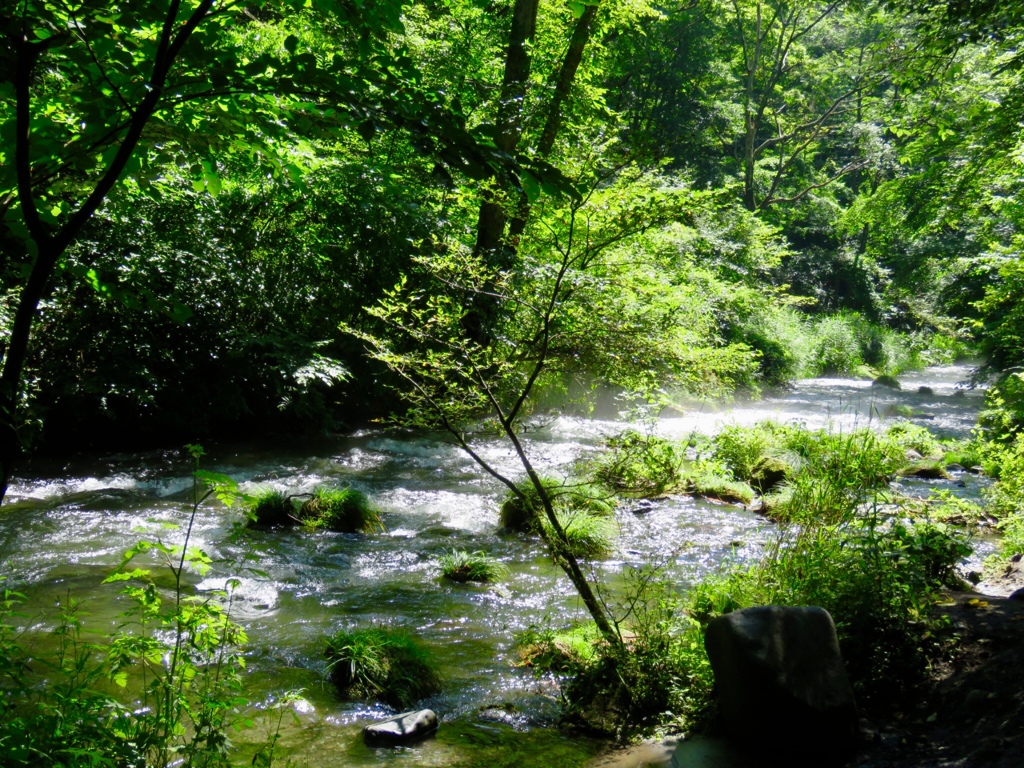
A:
222, 220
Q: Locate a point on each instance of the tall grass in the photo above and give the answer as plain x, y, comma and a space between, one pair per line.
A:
381, 663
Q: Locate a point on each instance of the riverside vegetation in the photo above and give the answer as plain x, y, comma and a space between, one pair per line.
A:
284, 216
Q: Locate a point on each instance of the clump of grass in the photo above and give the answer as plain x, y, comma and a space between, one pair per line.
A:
586, 534
344, 510
270, 509
521, 512
547, 650
381, 663
462, 566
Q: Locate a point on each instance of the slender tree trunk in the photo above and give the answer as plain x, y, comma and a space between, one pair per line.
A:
563, 85
490, 231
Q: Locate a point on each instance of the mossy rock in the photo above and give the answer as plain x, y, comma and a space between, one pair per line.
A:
343, 510
886, 381
271, 509
716, 488
517, 514
926, 470
769, 472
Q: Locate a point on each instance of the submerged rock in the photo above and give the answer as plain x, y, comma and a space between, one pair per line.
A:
401, 729
886, 381
780, 680
925, 391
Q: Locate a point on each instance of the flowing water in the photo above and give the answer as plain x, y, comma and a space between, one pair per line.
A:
64, 528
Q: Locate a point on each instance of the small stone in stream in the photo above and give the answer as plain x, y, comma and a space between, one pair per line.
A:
925, 391
642, 507
954, 467
401, 729
886, 381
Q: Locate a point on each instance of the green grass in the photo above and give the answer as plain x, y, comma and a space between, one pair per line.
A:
546, 650
270, 509
642, 466
521, 513
462, 566
381, 663
911, 436
344, 510
586, 534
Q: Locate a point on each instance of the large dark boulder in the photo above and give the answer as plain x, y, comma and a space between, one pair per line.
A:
780, 680
401, 729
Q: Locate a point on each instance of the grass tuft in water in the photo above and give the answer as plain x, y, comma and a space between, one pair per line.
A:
586, 534
522, 512
462, 566
381, 663
270, 509
344, 510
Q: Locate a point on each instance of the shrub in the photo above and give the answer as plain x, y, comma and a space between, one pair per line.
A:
1006, 496
660, 671
642, 465
835, 348
381, 663
271, 509
910, 436
1003, 416
344, 510
877, 578
462, 566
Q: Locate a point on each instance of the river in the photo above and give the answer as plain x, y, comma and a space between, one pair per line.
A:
65, 526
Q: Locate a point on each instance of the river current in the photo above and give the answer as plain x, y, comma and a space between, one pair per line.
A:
65, 527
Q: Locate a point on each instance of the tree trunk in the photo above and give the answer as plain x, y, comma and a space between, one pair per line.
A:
490, 231
563, 85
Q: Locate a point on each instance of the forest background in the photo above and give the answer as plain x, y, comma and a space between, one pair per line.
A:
732, 175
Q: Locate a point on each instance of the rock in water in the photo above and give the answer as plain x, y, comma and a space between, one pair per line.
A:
886, 381
401, 729
780, 680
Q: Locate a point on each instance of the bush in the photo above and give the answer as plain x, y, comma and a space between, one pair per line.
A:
1003, 416
910, 436
659, 672
877, 578
271, 509
835, 349
344, 510
521, 512
1006, 496
462, 566
642, 465
381, 663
